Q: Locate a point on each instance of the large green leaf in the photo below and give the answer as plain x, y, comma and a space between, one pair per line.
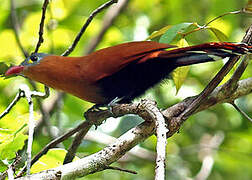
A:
173, 33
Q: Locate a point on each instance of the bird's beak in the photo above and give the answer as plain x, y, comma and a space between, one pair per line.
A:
14, 70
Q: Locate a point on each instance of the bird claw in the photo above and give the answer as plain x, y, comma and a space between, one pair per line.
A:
98, 107
104, 107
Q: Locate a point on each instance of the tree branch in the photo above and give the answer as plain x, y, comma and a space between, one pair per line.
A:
106, 139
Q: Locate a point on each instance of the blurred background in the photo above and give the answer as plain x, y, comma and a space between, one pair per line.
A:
214, 144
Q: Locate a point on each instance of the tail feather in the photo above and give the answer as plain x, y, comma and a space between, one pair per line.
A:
205, 53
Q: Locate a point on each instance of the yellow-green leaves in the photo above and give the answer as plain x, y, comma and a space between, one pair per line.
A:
10, 143
53, 158
176, 34
219, 34
159, 32
179, 74
13, 134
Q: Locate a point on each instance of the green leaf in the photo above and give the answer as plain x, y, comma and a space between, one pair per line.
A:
219, 34
53, 158
3, 167
12, 137
174, 32
159, 32
13, 134
179, 74
10, 144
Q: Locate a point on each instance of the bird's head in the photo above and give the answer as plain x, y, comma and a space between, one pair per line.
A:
31, 61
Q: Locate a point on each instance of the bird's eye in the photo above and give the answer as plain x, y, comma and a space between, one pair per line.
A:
34, 58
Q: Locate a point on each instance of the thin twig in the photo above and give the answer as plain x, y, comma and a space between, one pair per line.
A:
41, 26
241, 111
19, 95
107, 21
75, 144
120, 169
220, 16
205, 26
15, 24
84, 27
28, 95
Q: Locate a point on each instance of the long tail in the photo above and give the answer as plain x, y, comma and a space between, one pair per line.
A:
205, 53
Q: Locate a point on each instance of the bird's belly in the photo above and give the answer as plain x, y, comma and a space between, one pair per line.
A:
133, 80
87, 92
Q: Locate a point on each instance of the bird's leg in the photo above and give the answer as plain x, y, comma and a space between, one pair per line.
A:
98, 107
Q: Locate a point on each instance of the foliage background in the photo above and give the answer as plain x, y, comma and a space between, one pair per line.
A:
232, 160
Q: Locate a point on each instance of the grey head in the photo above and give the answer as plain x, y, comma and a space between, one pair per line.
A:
33, 59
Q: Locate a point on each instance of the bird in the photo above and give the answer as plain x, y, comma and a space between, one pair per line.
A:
122, 72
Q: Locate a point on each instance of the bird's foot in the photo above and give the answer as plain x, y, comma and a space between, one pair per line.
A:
113, 103
104, 107
98, 107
